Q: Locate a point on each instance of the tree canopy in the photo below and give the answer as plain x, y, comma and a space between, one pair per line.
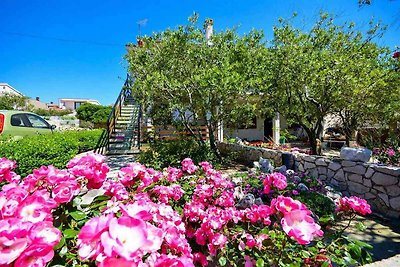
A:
9, 102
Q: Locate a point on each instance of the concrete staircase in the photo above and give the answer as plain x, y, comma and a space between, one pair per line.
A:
124, 139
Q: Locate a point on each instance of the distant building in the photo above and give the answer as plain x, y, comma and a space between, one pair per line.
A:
5, 88
37, 104
75, 103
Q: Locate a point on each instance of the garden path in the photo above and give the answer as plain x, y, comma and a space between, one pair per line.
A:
116, 162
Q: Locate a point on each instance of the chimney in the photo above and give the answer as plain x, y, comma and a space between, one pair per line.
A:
37, 98
208, 25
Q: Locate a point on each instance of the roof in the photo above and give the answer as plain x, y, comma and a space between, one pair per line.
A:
6, 84
79, 99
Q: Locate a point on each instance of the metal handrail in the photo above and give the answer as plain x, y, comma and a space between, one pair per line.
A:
112, 117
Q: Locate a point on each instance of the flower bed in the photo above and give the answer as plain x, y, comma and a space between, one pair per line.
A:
188, 216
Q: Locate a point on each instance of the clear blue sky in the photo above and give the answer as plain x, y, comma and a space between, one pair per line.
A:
87, 59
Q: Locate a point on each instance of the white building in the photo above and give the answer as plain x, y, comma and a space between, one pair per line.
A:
74, 103
5, 88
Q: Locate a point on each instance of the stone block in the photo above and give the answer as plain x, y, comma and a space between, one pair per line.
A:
334, 166
359, 169
369, 195
322, 170
369, 173
321, 162
367, 183
309, 158
357, 188
347, 163
355, 154
395, 203
330, 174
393, 190
384, 179
385, 199
355, 178
340, 176
323, 178
394, 171
309, 165
300, 168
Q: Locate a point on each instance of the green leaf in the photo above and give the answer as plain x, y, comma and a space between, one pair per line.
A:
78, 215
360, 226
325, 264
260, 262
70, 233
222, 261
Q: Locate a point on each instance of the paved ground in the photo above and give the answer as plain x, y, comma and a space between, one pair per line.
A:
116, 162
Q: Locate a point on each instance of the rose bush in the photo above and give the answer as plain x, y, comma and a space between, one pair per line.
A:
188, 216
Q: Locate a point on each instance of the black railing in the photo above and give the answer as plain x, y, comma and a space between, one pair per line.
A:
124, 97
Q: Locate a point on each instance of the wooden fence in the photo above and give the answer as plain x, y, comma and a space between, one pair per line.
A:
170, 132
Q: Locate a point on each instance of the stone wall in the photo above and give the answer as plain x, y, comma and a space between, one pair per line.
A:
379, 185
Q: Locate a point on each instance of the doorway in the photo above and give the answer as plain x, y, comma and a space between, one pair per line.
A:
268, 129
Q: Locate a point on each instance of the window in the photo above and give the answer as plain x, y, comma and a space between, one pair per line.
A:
19, 120
78, 104
37, 122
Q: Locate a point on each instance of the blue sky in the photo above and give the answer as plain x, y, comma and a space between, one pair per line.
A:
86, 60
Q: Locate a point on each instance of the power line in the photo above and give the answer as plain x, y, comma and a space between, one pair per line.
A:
61, 39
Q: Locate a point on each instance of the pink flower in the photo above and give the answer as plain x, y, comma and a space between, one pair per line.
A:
200, 258
90, 166
88, 243
65, 191
13, 239
396, 54
287, 205
301, 226
130, 238
120, 262
354, 204
279, 180
188, 166
391, 152
115, 189
6, 173
173, 174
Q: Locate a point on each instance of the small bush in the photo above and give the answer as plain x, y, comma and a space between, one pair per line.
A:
162, 154
53, 149
52, 112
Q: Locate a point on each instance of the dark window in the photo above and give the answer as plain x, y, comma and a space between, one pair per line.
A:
78, 104
19, 120
37, 122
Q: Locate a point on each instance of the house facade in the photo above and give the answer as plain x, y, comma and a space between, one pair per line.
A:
6, 89
75, 103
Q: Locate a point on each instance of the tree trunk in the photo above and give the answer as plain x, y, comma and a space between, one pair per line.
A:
312, 140
213, 143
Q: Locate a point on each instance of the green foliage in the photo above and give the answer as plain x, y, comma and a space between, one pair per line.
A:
162, 154
93, 113
53, 149
101, 115
320, 204
52, 112
330, 69
178, 71
10, 102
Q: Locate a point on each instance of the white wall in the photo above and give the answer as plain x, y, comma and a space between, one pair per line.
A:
6, 89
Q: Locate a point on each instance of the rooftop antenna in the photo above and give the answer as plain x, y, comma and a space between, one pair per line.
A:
141, 23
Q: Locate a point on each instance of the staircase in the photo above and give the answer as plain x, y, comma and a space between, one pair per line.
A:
122, 135
124, 139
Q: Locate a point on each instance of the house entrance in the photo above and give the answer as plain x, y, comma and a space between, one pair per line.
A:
268, 129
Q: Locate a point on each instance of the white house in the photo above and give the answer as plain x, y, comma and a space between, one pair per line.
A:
74, 103
5, 88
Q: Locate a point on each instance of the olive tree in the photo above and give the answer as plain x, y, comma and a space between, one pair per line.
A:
178, 73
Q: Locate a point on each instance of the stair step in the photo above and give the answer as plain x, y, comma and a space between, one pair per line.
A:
123, 152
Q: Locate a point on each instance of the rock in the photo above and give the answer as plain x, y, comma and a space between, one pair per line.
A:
334, 183
369, 173
308, 165
309, 158
330, 174
340, 176
239, 141
282, 169
394, 171
265, 165
322, 170
395, 203
357, 188
347, 163
322, 177
355, 154
393, 190
246, 202
359, 169
302, 187
320, 162
258, 201
333, 195
369, 195
355, 178
367, 182
334, 166
384, 179
385, 198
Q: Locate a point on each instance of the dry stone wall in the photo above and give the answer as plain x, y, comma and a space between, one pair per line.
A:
379, 185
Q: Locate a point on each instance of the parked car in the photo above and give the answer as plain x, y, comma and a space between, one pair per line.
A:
20, 123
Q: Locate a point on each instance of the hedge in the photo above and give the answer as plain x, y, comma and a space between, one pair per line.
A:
52, 149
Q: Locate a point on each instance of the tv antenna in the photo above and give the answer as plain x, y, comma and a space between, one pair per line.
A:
141, 23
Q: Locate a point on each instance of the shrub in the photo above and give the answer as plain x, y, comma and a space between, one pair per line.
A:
53, 149
179, 217
162, 154
52, 112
